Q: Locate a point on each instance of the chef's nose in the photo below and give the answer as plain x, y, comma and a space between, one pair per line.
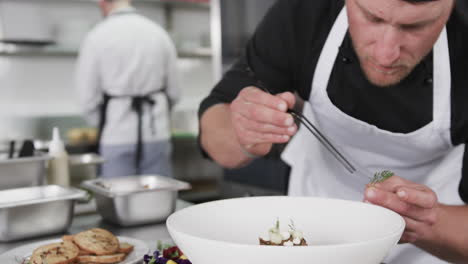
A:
388, 46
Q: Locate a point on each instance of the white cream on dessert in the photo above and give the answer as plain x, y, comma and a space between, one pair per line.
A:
285, 235
288, 244
276, 238
297, 234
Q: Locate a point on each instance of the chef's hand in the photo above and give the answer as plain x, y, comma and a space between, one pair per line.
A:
416, 203
260, 119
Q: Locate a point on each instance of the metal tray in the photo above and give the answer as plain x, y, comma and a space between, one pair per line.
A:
83, 167
135, 200
36, 211
22, 172
85, 159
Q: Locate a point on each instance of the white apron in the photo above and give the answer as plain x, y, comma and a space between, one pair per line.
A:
425, 156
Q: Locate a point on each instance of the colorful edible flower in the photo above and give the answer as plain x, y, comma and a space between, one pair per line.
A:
171, 255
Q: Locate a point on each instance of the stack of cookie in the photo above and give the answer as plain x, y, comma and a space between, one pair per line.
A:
88, 247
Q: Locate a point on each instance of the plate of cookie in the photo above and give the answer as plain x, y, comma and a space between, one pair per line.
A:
91, 246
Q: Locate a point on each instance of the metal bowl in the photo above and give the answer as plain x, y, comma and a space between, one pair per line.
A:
135, 200
36, 211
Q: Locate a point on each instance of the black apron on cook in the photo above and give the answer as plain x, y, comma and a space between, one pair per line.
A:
137, 103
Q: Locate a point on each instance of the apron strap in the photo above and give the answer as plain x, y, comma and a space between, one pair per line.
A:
329, 53
137, 106
102, 118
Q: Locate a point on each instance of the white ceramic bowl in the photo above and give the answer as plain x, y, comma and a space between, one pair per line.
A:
337, 231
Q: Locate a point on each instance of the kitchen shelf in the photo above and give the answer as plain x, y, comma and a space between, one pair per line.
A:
205, 4
178, 3
36, 51
67, 52
175, 3
195, 53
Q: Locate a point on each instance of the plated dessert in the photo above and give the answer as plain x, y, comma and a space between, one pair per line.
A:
289, 238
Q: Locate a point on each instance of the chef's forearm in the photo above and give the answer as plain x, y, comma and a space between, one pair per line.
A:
449, 239
218, 138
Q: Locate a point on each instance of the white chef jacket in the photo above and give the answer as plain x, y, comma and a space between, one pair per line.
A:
127, 55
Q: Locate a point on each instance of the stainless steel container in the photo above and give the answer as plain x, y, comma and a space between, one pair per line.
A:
22, 172
135, 200
36, 211
83, 167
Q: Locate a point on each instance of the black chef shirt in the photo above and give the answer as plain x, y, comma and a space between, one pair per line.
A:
285, 49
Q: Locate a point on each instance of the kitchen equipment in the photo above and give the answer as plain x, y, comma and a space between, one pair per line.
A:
21, 253
70, 33
24, 23
27, 149
83, 167
11, 149
337, 231
36, 211
135, 200
22, 172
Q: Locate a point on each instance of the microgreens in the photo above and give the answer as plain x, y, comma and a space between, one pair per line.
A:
292, 226
275, 229
161, 246
381, 176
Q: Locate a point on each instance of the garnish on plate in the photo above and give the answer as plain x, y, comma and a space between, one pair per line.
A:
381, 176
276, 237
170, 255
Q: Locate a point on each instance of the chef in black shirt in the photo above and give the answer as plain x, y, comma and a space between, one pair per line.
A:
386, 81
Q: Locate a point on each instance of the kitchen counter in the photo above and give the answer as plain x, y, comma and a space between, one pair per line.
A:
86, 219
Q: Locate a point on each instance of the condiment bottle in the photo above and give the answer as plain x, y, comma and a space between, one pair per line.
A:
58, 166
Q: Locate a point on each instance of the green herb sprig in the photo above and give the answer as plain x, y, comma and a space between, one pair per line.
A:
292, 226
162, 246
381, 176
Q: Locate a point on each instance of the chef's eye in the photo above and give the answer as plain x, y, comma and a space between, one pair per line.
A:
411, 27
374, 19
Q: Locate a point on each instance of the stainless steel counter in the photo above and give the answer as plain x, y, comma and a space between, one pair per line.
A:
84, 219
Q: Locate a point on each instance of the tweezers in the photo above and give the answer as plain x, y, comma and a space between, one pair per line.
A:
312, 129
